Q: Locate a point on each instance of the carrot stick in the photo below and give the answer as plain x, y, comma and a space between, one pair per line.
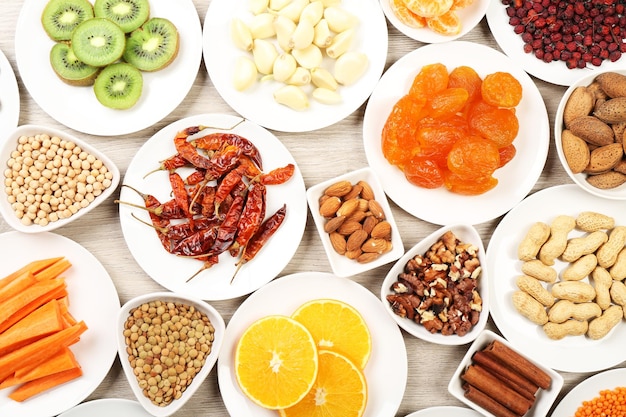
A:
53, 270
36, 386
34, 267
19, 284
40, 350
63, 360
45, 320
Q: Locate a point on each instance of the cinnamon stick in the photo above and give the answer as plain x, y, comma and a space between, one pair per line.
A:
519, 364
486, 402
516, 381
480, 378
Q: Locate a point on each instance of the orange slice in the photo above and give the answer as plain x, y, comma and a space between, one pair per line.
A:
399, 9
446, 24
337, 326
276, 362
429, 8
340, 390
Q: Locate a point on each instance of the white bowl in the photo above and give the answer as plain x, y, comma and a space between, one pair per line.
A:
617, 193
341, 265
544, 398
467, 234
9, 144
216, 320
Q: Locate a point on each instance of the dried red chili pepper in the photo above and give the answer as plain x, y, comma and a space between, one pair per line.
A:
228, 228
278, 175
223, 161
215, 141
252, 215
197, 243
187, 151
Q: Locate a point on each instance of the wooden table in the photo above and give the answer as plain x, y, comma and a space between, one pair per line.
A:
100, 231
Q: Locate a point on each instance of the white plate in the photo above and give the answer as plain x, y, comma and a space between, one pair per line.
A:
470, 16
93, 299
257, 103
555, 72
516, 178
9, 97
386, 370
588, 390
447, 411
163, 90
502, 262
172, 271
107, 407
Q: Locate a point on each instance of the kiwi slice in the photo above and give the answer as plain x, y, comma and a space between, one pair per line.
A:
60, 17
69, 68
128, 14
153, 46
98, 42
118, 86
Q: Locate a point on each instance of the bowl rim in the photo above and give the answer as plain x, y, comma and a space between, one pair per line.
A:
10, 139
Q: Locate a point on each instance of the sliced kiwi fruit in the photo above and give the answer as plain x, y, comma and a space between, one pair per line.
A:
118, 86
153, 46
128, 14
60, 17
69, 68
98, 42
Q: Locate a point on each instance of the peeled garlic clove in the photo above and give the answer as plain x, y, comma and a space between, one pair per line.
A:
284, 28
294, 9
309, 57
312, 12
339, 19
278, 4
326, 96
301, 76
264, 54
340, 44
292, 96
322, 36
284, 67
262, 26
302, 36
244, 74
241, 35
350, 66
328, 3
321, 77
258, 6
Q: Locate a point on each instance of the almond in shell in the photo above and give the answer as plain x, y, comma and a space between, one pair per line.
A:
612, 110
612, 83
575, 151
604, 158
592, 130
579, 103
607, 180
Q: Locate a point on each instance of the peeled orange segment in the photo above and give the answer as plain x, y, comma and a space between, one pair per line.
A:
276, 362
429, 8
337, 326
340, 390
461, 4
399, 9
448, 23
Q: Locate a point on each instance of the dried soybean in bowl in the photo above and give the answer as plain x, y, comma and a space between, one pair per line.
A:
167, 344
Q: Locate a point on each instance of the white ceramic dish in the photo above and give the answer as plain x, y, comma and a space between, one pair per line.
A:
470, 17
502, 261
163, 90
544, 398
385, 372
466, 234
516, 178
588, 390
171, 271
555, 72
257, 103
448, 411
9, 144
93, 299
617, 193
106, 407
9, 96
341, 265
218, 324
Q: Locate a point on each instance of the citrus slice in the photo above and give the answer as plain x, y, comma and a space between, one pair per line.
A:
276, 362
399, 9
340, 390
448, 23
337, 326
429, 8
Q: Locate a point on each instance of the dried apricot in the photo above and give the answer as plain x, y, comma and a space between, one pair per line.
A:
462, 186
398, 136
501, 89
448, 23
423, 172
431, 79
447, 103
473, 157
467, 78
497, 124
406, 16
507, 153
436, 140
429, 8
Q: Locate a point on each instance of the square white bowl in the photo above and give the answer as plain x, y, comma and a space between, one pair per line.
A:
9, 144
467, 234
218, 324
341, 265
544, 398
617, 193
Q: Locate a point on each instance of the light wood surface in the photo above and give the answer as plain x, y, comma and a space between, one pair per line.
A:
430, 366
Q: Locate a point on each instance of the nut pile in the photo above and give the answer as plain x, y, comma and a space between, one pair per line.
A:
588, 295
439, 289
49, 178
355, 222
167, 345
594, 120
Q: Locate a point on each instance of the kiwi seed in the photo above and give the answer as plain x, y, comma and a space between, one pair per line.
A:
98, 42
118, 86
153, 46
128, 14
69, 68
60, 17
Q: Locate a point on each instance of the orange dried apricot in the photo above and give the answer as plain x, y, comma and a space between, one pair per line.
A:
507, 153
462, 186
429, 8
431, 79
467, 78
447, 103
501, 89
448, 23
423, 172
406, 16
497, 124
473, 157
398, 134
436, 140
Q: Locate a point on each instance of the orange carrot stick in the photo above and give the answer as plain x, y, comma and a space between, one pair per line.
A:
37, 386
19, 284
63, 360
34, 267
54, 270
